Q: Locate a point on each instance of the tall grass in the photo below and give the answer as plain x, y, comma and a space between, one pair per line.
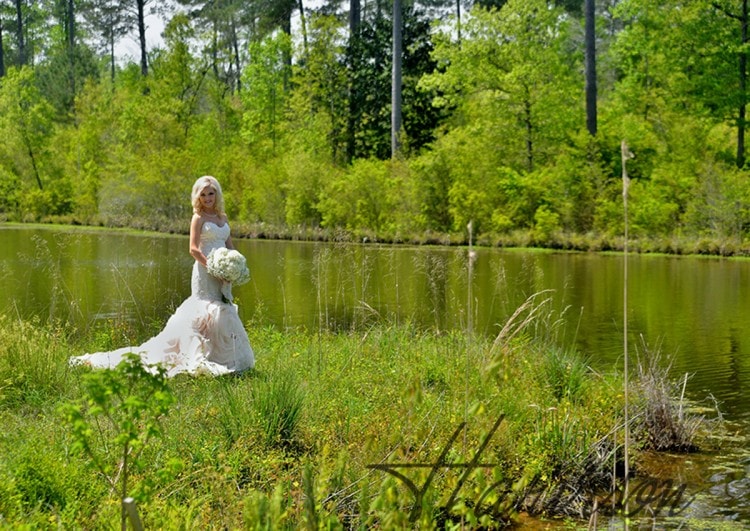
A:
279, 402
30, 368
565, 371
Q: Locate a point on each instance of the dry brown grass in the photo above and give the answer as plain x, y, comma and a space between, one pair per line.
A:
662, 422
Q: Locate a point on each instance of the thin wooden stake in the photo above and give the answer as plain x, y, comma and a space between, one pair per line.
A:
132, 510
626, 154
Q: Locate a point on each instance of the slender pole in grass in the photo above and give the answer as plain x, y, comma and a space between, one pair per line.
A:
469, 326
133, 516
626, 154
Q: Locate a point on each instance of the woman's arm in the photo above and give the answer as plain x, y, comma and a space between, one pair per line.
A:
195, 239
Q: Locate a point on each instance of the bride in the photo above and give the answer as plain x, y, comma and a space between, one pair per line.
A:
205, 334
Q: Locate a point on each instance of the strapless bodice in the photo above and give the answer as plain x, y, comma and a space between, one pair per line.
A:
213, 236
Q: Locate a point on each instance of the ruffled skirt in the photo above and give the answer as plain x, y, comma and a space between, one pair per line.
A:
201, 337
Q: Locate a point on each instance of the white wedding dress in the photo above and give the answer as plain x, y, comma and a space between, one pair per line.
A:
205, 334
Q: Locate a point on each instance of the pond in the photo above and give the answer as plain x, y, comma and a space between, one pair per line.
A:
692, 310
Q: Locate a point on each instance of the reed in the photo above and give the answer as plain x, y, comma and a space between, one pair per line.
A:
664, 424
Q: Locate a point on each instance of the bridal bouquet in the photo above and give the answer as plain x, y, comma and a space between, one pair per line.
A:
228, 265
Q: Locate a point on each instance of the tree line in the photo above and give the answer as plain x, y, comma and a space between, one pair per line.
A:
392, 118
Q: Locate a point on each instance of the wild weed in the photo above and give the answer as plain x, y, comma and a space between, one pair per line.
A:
279, 402
267, 511
234, 408
116, 418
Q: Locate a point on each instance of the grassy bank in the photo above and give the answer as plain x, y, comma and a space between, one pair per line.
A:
313, 436
676, 244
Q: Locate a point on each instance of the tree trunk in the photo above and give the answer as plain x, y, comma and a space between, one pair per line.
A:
355, 14
19, 34
286, 27
142, 36
396, 80
71, 23
2, 52
236, 48
30, 151
71, 44
743, 90
303, 27
590, 39
354, 21
215, 49
458, 21
529, 132
112, 59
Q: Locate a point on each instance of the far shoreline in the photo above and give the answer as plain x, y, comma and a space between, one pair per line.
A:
526, 241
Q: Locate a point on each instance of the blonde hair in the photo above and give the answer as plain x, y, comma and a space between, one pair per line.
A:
201, 184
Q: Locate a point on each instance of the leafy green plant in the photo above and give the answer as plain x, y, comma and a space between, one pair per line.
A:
546, 222
116, 418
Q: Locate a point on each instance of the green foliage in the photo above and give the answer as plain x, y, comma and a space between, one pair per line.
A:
369, 63
63, 75
369, 196
38, 482
566, 373
39, 479
306, 176
263, 511
264, 100
493, 126
26, 122
119, 415
722, 207
516, 94
318, 110
290, 446
177, 78
10, 194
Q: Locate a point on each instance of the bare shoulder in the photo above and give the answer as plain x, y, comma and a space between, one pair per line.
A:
196, 223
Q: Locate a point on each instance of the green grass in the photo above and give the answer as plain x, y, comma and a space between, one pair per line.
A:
291, 443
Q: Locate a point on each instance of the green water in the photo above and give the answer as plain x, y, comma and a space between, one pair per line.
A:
693, 309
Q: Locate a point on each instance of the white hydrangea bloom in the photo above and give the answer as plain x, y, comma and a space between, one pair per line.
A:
229, 265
